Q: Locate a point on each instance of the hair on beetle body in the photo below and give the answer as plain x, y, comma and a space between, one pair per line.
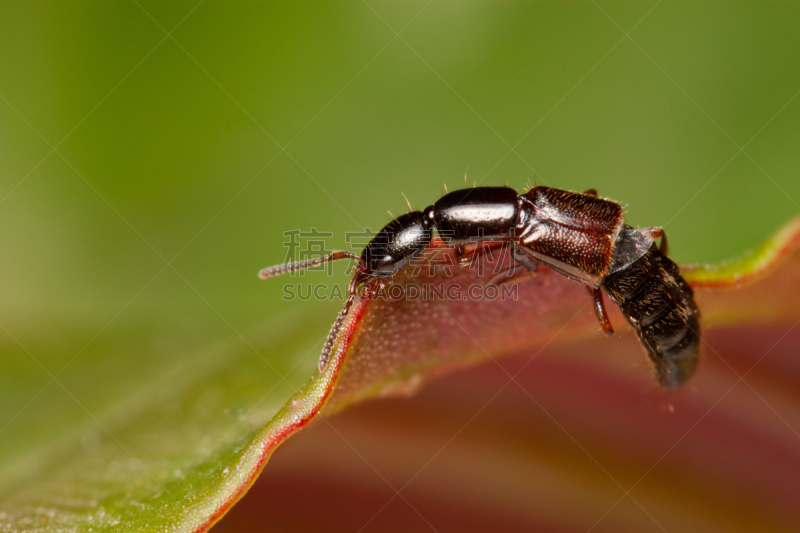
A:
578, 235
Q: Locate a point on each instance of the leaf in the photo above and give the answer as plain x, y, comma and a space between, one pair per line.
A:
556, 449
176, 456
718, 454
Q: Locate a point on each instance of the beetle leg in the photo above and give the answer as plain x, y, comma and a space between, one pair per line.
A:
529, 263
464, 255
659, 232
655, 233
522, 265
600, 310
506, 275
590, 192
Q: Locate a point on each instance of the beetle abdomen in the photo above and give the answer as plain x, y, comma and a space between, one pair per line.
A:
660, 306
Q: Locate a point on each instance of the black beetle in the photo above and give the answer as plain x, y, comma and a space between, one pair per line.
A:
578, 235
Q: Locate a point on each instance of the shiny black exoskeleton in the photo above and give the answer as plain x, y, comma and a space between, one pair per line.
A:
660, 306
577, 235
461, 217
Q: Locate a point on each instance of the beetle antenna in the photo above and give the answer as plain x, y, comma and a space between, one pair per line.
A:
277, 270
325, 356
407, 202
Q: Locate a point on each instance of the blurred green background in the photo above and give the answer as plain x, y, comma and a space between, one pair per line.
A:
137, 134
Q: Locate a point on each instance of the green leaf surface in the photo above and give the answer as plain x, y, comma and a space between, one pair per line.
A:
164, 457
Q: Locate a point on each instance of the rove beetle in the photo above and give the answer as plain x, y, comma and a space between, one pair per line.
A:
578, 235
